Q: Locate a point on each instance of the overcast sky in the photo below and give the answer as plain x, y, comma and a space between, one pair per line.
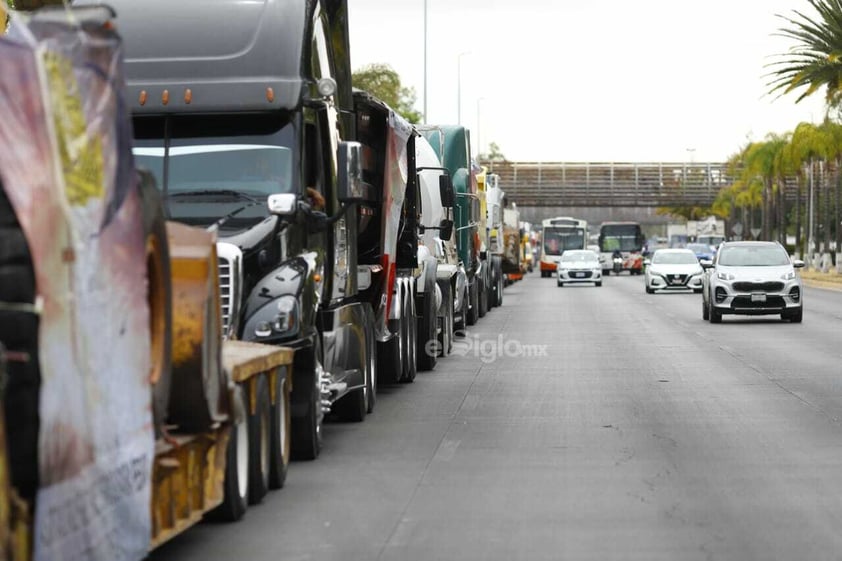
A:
598, 80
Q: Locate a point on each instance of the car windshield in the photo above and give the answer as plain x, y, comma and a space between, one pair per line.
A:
578, 257
674, 258
753, 256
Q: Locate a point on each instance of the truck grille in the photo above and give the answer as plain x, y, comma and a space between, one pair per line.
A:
230, 286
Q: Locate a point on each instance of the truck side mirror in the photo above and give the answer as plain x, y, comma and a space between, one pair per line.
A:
282, 204
446, 191
351, 187
445, 229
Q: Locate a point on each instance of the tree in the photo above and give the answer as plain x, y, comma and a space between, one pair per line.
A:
381, 81
494, 154
816, 61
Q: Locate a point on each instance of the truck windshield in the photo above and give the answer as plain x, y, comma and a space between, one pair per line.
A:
247, 154
622, 237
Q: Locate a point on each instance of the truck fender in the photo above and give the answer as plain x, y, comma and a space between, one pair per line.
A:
429, 270
294, 277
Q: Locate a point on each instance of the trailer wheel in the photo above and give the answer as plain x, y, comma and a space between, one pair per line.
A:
236, 485
427, 342
409, 327
281, 422
260, 443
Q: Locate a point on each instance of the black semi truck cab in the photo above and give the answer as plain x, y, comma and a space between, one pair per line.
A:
240, 110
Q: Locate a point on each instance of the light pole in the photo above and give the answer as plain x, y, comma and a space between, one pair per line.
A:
425, 61
459, 86
479, 121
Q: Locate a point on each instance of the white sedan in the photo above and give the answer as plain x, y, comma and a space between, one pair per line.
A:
579, 266
673, 269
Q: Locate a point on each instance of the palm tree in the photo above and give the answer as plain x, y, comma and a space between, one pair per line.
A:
816, 60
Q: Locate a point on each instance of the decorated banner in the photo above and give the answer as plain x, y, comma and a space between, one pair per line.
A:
66, 165
394, 193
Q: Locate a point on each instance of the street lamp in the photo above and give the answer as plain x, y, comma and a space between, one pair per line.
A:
459, 86
425, 61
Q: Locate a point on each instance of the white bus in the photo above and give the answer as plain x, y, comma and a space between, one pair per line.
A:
557, 235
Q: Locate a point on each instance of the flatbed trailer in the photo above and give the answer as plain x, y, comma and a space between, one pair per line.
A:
145, 420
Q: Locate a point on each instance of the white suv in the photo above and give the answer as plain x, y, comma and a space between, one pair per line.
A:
752, 278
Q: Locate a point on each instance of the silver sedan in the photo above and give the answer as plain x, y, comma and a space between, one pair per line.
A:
673, 269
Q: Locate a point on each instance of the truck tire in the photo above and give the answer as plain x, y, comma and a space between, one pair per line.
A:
389, 355
307, 429
472, 315
236, 484
499, 288
19, 333
372, 366
159, 296
260, 442
427, 341
409, 328
353, 406
461, 323
444, 324
482, 297
281, 423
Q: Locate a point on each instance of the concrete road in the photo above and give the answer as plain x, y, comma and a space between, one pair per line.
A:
580, 423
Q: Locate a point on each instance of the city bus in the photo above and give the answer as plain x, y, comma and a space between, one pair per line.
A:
557, 235
628, 239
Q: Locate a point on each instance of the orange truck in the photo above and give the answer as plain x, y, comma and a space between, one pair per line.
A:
126, 418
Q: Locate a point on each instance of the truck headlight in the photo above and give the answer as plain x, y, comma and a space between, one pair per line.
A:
278, 318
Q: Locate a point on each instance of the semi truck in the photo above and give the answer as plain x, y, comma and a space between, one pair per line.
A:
399, 278
452, 146
251, 133
495, 202
438, 239
484, 277
127, 417
513, 262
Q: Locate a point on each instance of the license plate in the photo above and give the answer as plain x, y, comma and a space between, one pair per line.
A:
578, 275
758, 297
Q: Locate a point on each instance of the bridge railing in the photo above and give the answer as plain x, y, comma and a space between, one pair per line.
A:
611, 184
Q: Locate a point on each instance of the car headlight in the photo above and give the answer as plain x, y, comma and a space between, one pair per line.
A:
278, 318
788, 276
724, 276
